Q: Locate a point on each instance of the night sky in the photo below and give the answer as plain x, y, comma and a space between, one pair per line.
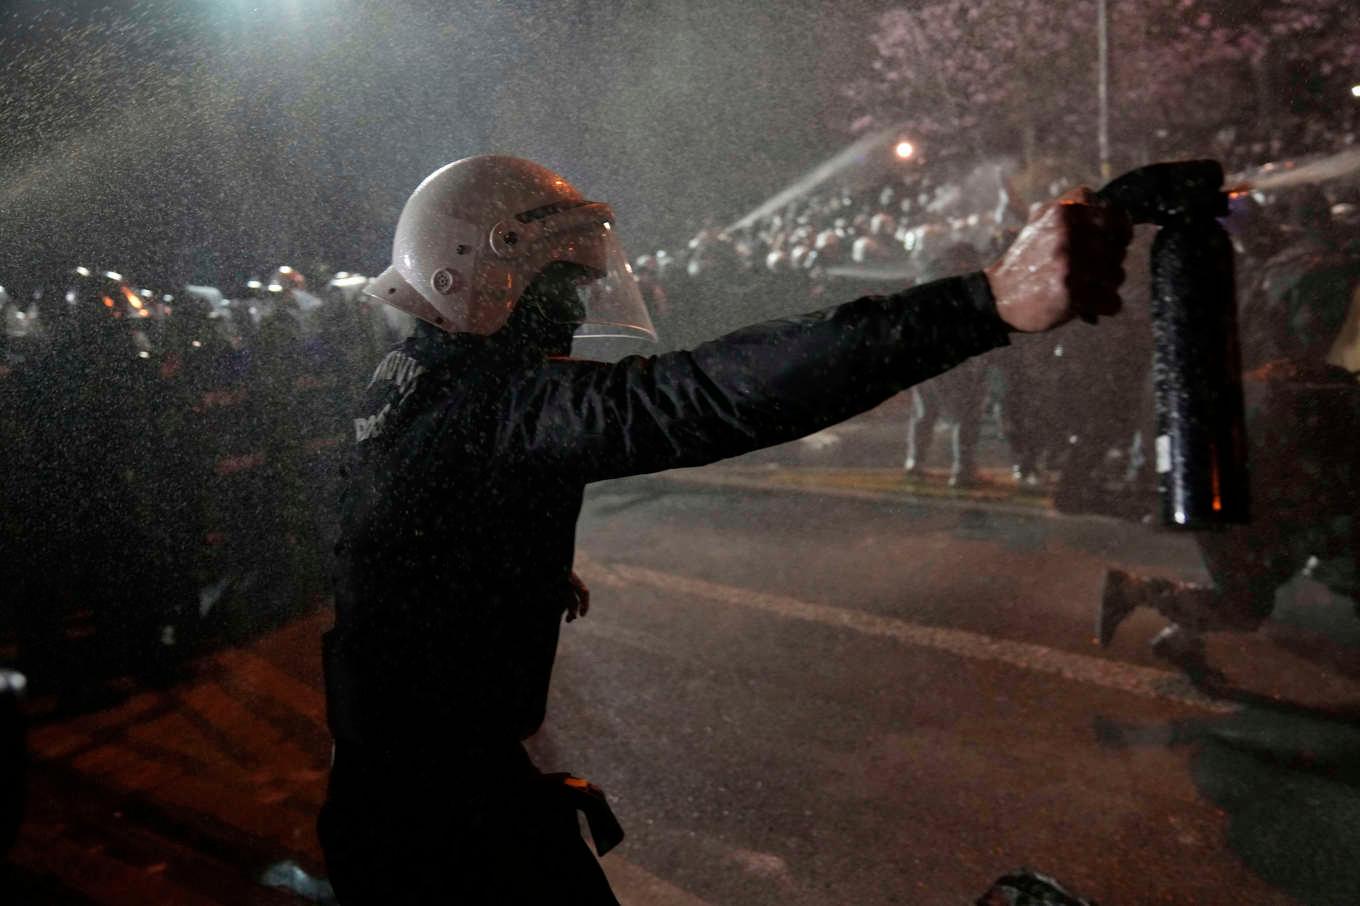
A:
208, 140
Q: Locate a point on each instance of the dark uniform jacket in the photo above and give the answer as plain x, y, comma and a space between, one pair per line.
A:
458, 521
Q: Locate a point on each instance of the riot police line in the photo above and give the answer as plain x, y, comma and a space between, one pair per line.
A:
170, 461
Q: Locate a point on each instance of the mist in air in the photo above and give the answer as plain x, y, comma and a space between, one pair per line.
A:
209, 141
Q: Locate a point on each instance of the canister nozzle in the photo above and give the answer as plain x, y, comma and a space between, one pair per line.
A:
1170, 192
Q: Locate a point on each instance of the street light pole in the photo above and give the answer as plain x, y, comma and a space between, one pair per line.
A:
1103, 45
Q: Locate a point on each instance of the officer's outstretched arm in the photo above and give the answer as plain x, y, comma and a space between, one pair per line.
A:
780, 380
756, 387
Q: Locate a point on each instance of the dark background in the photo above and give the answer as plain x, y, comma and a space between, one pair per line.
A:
210, 141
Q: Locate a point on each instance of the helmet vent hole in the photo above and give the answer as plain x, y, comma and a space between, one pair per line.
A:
462, 249
446, 281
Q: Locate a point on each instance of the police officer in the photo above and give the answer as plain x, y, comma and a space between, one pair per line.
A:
194, 350
472, 454
287, 383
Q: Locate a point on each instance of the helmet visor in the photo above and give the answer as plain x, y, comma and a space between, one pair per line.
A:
611, 302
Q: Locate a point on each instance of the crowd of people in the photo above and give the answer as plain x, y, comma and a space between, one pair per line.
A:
880, 237
170, 460
1094, 453
851, 237
1297, 264
172, 451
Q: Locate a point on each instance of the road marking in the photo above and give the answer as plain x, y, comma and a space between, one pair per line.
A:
1147, 682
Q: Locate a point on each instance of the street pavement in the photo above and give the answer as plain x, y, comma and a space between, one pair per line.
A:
802, 681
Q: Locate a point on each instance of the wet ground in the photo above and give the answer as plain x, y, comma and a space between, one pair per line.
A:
798, 686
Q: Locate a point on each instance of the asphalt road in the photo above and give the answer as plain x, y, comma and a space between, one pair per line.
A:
806, 699
791, 698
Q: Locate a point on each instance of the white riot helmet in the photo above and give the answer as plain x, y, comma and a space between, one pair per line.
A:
477, 232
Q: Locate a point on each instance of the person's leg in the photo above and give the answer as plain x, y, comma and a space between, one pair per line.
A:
921, 415
1247, 563
389, 841
548, 860
358, 873
1019, 418
421, 863
968, 394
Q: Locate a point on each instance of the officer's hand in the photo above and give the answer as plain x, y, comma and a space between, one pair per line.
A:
1067, 262
580, 602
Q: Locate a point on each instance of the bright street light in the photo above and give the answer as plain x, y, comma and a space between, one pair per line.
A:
904, 150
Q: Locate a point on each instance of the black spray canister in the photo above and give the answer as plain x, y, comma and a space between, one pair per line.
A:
1200, 449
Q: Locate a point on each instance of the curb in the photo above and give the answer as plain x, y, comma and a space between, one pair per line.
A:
805, 480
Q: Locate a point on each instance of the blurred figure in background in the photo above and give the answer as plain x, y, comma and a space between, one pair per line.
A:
13, 758
291, 383
1098, 433
85, 466
954, 397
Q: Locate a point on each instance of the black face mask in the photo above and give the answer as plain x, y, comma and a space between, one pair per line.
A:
549, 311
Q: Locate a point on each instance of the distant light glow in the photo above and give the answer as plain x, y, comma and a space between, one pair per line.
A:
1355, 91
904, 150
276, 287
253, 284
83, 271
113, 275
143, 354
196, 344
